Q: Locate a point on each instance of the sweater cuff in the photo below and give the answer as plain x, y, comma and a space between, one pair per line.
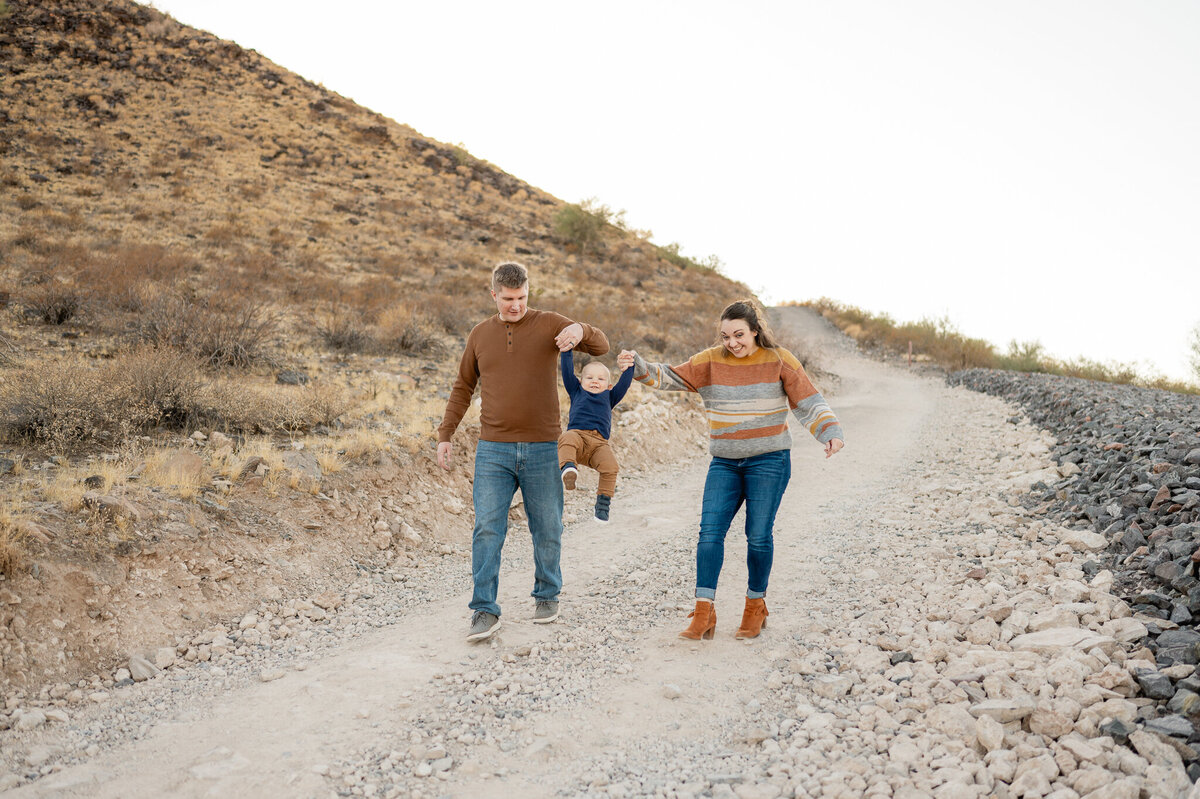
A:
830, 433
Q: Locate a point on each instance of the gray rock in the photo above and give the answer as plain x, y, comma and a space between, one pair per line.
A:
1176, 726
1193, 457
292, 377
1118, 730
1155, 684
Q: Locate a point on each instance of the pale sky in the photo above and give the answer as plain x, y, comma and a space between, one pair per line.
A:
1028, 168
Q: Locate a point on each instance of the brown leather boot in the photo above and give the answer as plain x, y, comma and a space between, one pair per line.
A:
754, 618
704, 621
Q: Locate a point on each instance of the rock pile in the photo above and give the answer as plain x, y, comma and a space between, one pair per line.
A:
1128, 471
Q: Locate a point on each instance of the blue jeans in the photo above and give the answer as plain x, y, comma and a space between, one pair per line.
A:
500, 468
759, 482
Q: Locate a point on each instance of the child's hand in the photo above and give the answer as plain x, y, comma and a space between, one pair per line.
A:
625, 359
832, 446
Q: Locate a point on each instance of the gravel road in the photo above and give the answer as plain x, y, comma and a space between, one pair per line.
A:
928, 637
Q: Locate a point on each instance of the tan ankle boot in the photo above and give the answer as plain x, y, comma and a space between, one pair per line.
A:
704, 621
754, 618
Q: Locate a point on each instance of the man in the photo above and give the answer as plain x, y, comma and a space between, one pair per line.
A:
513, 356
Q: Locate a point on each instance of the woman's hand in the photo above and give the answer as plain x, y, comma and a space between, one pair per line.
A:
625, 359
832, 446
568, 337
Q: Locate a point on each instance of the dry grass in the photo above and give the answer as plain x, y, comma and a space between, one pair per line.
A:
64, 487
12, 550
164, 470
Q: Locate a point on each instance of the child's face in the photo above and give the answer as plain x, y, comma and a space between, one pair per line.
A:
594, 378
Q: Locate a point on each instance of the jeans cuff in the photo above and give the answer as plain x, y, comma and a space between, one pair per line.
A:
706, 593
755, 594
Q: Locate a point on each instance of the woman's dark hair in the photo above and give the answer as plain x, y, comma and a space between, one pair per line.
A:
749, 312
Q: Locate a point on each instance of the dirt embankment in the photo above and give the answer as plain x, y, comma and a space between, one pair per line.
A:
81, 609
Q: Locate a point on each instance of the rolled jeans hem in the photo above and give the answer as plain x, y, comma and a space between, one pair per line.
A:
706, 593
755, 594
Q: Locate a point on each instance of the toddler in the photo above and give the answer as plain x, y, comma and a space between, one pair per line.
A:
589, 426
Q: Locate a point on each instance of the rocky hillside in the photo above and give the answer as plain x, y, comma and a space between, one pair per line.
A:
122, 130
231, 302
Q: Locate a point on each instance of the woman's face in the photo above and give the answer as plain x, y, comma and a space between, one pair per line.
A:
738, 338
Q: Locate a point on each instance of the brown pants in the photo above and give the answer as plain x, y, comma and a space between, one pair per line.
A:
589, 448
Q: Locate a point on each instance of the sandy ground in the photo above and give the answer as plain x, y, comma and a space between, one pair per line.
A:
263, 739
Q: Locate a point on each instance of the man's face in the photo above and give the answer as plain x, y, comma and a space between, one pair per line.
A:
512, 303
594, 378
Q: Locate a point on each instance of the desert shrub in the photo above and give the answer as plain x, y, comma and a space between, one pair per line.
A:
72, 403
238, 336
61, 405
1024, 356
119, 277
287, 409
55, 301
582, 223
161, 387
407, 331
344, 331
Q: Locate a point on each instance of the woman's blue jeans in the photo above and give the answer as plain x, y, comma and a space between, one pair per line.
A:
501, 468
759, 482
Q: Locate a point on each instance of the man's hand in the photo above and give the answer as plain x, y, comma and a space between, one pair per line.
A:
832, 446
625, 359
568, 337
443, 455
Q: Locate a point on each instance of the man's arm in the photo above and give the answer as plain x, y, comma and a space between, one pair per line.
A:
459, 401
570, 381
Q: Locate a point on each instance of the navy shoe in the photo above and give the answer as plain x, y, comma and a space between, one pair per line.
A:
569, 473
603, 503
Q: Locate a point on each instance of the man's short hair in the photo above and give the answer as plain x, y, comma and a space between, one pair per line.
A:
509, 275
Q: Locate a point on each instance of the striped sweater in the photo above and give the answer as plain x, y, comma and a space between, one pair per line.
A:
747, 399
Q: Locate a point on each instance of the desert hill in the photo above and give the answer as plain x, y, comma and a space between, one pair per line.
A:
231, 302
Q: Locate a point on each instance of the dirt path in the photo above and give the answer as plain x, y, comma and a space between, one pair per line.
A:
411, 709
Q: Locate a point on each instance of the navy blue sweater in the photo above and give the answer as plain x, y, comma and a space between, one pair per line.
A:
591, 411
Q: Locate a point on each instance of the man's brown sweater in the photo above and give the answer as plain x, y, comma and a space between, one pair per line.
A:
516, 367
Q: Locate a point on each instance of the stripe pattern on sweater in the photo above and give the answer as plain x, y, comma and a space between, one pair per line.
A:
747, 400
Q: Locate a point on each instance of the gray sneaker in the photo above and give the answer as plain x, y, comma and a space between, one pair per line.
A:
483, 626
545, 611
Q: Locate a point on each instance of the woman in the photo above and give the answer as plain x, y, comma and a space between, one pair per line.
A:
748, 384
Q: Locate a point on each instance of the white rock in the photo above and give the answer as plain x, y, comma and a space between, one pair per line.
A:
1083, 541
671, 691
1124, 630
1054, 640
989, 732
1003, 710
141, 669
164, 657
30, 719
832, 686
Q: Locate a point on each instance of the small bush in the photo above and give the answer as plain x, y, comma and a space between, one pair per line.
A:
239, 336
345, 332
54, 301
404, 330
582, 224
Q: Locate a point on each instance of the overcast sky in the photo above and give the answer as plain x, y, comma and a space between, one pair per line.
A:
1029, 169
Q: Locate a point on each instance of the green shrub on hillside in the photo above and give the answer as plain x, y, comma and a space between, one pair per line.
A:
582, 223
